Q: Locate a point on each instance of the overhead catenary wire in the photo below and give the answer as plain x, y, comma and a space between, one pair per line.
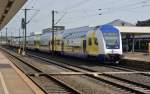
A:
129, 8
89, 12
103, 13
111, 9
82, 2
136, 5
34, 15
60, 18
70, 8
126, 5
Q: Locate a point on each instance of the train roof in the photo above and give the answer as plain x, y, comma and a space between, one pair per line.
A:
108, 27
78, 29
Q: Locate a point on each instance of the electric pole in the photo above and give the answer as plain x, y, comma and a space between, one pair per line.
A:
25, 30
53, 13
19, 37
6, 35
24, 26
11, 38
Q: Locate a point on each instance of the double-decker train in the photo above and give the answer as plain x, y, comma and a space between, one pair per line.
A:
101, 42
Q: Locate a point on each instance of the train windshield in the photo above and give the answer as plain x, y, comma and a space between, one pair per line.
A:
111, 40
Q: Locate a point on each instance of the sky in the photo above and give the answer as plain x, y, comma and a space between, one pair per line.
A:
78, 13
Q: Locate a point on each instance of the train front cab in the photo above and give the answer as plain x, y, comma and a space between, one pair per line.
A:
110, 44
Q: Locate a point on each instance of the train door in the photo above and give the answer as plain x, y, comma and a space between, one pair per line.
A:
49, 45
84, 46
92, 44
34, 44
37, 41
62, 46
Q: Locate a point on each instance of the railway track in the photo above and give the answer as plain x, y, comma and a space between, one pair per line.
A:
135, 86
48, 83
119, 82
124, 84
143, 72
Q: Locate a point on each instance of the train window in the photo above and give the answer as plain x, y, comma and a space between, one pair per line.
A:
111, 39
90, 41
95, 41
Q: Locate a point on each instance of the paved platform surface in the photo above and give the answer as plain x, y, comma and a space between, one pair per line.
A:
138, 56
10, 81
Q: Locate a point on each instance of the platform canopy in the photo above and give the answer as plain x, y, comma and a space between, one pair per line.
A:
134, 29
8, 8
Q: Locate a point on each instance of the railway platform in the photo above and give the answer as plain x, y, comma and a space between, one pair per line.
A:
11, 79
137, 59
138, 56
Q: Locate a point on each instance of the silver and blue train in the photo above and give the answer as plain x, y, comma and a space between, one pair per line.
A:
103, 42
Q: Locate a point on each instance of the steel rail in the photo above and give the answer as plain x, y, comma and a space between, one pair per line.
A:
59, 82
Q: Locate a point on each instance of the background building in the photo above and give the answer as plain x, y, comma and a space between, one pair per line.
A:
119, 22
56, 28
143, 23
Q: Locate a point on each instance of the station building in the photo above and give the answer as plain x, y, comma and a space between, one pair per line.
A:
134, 38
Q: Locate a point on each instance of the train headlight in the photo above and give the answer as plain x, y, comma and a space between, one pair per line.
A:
117, 62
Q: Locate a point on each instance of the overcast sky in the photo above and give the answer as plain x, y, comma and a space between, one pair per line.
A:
77, 13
